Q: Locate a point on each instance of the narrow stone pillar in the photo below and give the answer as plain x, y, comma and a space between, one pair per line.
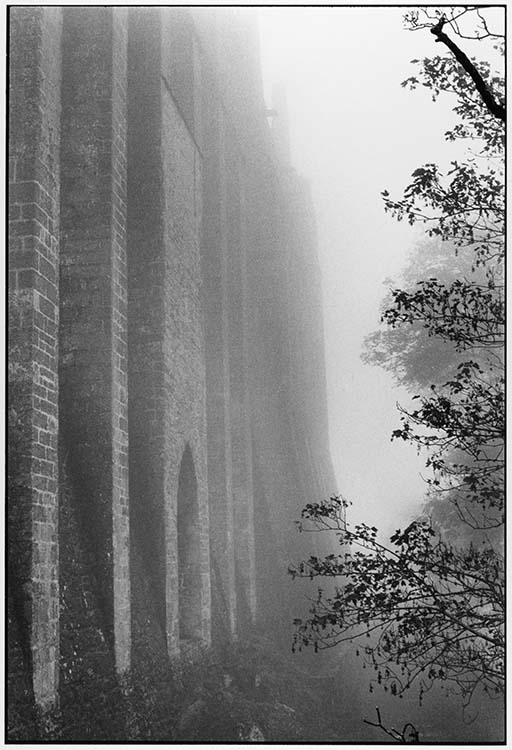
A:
241, 455
34, 133
214, 270
94, 393
167, 361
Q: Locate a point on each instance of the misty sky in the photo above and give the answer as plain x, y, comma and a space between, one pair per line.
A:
355, 131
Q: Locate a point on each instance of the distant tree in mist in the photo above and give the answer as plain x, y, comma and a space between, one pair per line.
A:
429, 604
423, 344
411, 354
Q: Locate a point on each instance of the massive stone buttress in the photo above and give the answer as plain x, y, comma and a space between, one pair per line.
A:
166, 363
167, 357
93, 284
34, 190
215, 264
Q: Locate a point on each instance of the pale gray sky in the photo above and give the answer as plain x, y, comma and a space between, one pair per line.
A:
354, 132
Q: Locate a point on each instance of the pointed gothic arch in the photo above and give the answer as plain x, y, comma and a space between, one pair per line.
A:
189, 551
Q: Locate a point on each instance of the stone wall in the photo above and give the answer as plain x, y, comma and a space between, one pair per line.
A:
34, 186
215, 263
167, 382
93, 283
190, 385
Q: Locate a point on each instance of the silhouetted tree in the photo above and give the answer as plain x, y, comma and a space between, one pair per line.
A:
461, 421
424, 609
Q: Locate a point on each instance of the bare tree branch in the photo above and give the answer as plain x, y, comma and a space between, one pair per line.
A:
494, 107
408, 735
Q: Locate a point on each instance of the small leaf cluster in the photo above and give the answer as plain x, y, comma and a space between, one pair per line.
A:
463, 312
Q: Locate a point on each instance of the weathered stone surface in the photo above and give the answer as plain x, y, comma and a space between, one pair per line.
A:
189, 401
35, 76
214, 260
167, 366
94, 353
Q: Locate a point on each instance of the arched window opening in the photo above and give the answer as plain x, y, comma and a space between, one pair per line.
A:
189, 551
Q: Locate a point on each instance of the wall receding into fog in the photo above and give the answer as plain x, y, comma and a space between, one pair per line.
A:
175, 354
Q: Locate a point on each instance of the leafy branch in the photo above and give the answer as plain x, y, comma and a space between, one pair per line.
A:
424, 610
495, 108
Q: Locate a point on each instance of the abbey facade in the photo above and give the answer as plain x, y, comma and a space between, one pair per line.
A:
167, 389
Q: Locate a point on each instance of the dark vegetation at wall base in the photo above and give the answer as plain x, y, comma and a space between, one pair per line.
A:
249, 689
249, 692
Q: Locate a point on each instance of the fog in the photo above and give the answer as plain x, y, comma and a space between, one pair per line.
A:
166, 417
354, 131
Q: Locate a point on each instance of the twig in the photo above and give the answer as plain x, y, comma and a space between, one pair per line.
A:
408, 735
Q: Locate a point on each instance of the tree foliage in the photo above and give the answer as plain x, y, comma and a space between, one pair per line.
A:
460, 420
463, 205
403, 345
427, 608
484, 103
